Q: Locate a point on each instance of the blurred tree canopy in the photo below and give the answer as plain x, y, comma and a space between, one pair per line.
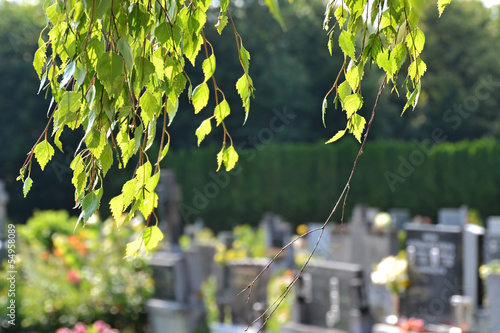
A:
291, 69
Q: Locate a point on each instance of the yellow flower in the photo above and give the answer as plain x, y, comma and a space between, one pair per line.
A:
301, 229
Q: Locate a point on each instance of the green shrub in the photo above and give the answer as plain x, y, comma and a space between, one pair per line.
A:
65, 277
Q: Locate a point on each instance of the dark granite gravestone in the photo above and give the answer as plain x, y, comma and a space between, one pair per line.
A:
241, 273
435, 269
325, 294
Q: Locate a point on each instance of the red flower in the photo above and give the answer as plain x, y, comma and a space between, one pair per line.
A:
73, 276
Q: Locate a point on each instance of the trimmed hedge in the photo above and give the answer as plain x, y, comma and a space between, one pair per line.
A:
303, 181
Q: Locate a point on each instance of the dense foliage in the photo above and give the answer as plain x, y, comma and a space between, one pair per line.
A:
64, 277
117, 71
300, 181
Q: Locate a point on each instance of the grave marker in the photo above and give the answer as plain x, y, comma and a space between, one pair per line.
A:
241, 273
435, 270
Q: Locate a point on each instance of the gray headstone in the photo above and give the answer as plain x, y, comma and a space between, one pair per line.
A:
435, 268
452, 216
493, 282
241, 273
169, 200
170, 274
399, 217
473, 255
492, 239
493, 225
323, 248
325, 294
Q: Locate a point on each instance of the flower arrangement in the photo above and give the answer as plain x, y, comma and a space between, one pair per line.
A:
493, 267
392, 272
98, 327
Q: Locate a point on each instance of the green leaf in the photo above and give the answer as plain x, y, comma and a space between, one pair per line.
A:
148, 201
356, 126
110, 72
203, 130
39, 60
106, 158
149, 107
200, 97
27, 186
172, 110
346, 43
221, 111
336, 136
274, 9
152, 236
220, 155
143, 69
245, 58
209, 67
415, 42
127, 54
230, 157
95, 142
352, 104
69, 103
324, 105
89, 205
386, 62
344, 90
417, 69
442, 5
399, 55
413, 98
221, 23
79, 179
341, 15
353, 76
116, 207
245, 89
133, 248
43, 153
128, 192
192, 45
164, 151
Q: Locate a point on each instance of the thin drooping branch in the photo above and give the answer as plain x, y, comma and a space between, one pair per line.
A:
274, 306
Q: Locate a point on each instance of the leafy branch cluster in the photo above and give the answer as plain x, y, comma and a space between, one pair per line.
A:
116, 70
389, 34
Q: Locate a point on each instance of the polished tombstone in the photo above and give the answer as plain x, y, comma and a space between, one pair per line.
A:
435, 269
327, 293
169, 200
242, 272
